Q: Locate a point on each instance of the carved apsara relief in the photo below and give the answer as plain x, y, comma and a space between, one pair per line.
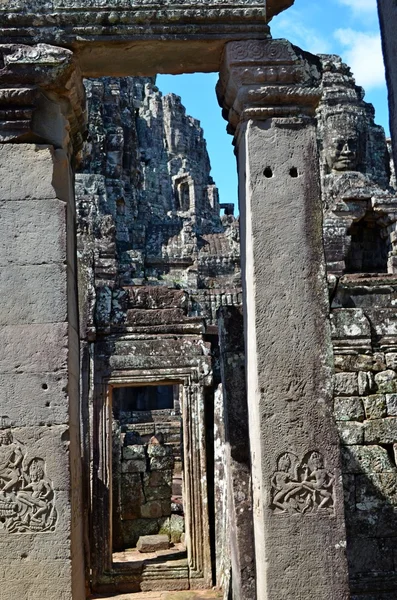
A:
302, 485
27, 499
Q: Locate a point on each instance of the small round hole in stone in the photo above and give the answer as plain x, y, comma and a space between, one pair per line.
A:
293, 172
268, 172
44, 386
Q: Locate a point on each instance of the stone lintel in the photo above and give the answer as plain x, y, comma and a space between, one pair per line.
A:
122, 25
262, 79
41, 96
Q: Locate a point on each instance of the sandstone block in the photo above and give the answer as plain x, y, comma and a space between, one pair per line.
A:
174, 526
381, 431
158, 493
157, 298
154, 317
161, 463
365, 382
34, 399
376, 490
135, 528
386, 381
47, 579
158, 479
135, 452
32, 232
133, 466
369, 555
131, 496
159, 450
349, 492
346, 384
33, 294
379, 361
153, 543
151, 510
30, 172
366, 459
350, 433
350, 323
161, 457
391, 360
349, 408
35, 348
355, 362
375, 406
391, 403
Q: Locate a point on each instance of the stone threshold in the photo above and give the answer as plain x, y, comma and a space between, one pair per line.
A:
190, 595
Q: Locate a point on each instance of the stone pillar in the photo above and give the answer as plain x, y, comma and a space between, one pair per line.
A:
269, 90
41, 115
236, 463
387, 10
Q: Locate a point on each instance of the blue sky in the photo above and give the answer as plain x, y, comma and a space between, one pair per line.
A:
349, 28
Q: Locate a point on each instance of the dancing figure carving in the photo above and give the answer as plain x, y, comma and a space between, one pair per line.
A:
302, 486
27, 498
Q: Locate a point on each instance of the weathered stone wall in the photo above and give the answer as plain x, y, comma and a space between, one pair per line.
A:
147, 472
148, 207
39, 424
41, 513
149, 223
364, 336
359, 236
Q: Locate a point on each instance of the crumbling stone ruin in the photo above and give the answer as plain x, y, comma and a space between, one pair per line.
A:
156, 258
356, 193
169, 420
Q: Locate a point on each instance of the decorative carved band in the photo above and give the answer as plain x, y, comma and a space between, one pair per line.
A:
93, 20
252, 51
267, 78
28, 76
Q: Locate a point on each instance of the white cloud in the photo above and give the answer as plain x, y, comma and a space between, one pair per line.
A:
363, 54
291, 26
360, 5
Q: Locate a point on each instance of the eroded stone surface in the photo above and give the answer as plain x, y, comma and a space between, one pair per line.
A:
152, 543
277, 187
83, 24
359, 207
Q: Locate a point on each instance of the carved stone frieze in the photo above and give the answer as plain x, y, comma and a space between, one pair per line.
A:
73, 20
267, 78
302, 485
27, 497
33, 81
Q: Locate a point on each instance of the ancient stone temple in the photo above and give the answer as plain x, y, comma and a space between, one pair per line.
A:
191, 399
156, 261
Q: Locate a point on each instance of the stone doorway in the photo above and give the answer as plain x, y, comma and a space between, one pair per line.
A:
150, 479
148, 522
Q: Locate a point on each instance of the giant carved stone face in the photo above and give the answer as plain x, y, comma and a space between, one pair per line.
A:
343, 143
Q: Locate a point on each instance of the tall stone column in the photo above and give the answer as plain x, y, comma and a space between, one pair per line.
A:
269, 90
387, 10
41, 118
